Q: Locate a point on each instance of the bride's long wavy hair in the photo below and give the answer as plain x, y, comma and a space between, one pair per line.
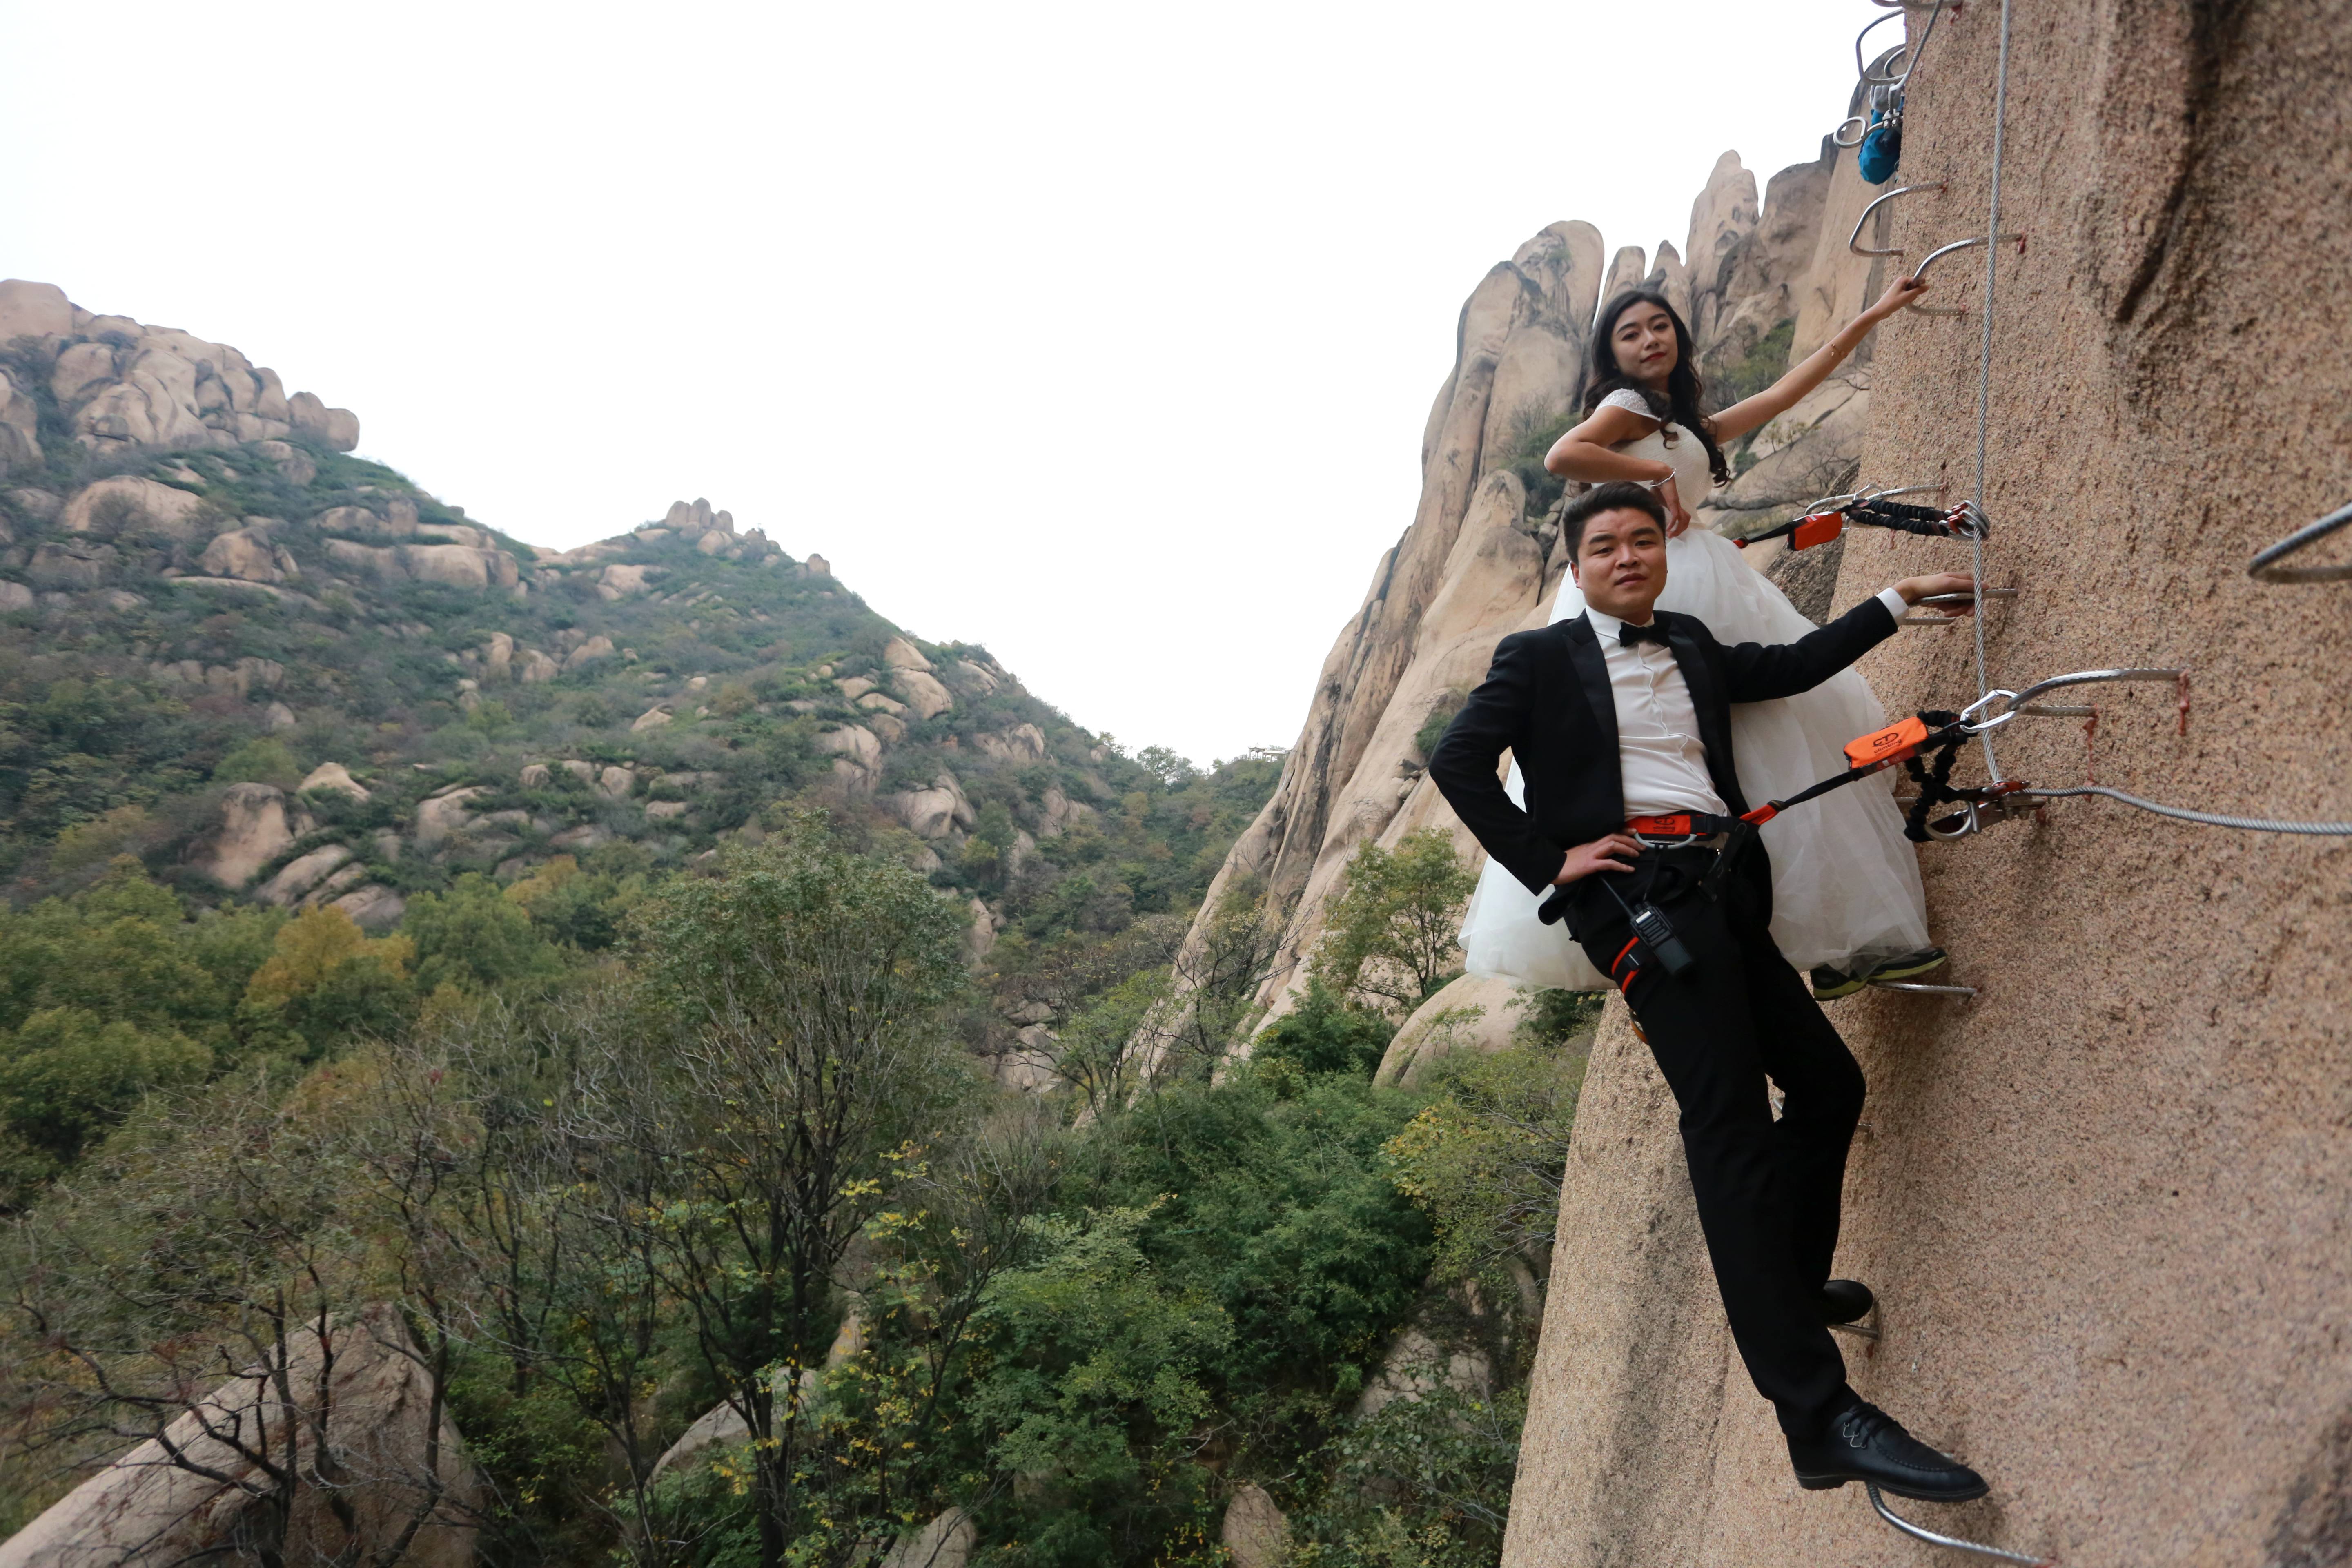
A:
1684, 388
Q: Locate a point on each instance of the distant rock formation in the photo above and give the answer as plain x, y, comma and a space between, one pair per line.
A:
120, 383
1481, 557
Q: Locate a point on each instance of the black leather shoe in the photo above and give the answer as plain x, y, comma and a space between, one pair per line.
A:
1847, 1301
1865, 1444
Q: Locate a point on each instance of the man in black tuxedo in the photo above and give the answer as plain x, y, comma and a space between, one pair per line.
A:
1620, 722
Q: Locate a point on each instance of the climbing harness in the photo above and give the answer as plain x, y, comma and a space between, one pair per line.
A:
1853, 241
1824, 523
1920, 1532
2265, 568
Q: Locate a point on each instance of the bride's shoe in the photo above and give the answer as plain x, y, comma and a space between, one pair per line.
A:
1830, 983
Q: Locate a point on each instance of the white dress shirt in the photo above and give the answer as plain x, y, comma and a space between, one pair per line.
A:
1661, 765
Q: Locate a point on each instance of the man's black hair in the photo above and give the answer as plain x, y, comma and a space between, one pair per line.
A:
1617, 495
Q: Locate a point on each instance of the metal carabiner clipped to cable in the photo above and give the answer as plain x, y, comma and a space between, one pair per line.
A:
1972, 725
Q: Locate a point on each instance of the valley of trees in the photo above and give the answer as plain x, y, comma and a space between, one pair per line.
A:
882, 1123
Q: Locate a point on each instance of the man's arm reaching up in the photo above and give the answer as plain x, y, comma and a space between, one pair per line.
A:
1759, 672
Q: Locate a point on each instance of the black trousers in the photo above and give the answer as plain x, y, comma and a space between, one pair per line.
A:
1767, 1191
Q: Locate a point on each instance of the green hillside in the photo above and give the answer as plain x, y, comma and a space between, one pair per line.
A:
672, 989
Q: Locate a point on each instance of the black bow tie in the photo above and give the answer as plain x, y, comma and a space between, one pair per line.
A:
1627, 636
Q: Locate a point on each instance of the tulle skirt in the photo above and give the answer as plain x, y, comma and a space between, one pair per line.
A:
1845, 882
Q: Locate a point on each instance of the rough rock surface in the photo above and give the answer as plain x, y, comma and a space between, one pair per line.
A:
1254, 1534
255, 828
1468, 1014
120, 384
2103, 1204
376, 1413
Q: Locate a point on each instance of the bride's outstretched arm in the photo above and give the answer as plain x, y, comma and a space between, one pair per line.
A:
1783, 394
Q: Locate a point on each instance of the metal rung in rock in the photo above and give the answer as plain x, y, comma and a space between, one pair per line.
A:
1923, 989
1952, 1542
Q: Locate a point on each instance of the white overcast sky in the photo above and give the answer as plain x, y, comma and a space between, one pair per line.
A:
1102, 334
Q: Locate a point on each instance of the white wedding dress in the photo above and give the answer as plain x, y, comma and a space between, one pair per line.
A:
1845, 882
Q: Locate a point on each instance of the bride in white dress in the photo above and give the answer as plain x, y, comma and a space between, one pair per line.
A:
1846, 899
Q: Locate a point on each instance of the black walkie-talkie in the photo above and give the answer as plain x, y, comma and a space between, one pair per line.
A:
1657, 934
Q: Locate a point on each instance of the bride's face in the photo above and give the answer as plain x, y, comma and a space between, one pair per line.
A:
1644, 341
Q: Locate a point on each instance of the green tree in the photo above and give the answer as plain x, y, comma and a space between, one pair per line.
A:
1484, 1160
1390, 935
474, 936
806, 986
1324, 1035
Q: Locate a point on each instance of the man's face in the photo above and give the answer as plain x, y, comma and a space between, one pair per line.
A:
1621, 563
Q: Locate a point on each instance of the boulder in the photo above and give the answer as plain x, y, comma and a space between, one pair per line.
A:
40, 505
816, 566
534, 775
497, 656
15, 596
125, 504
533, 668
334, 776
900, 654
1058, 812
853, 743
338, 429
1021, 744
874, 702
459, 565
651, 719
617, 782
1254, 1534
254, 829
244, 554
300, 875
382, 562
375, 1415
979, 933
20, 426
663, 810
1469, 1013
373, 908
75, 566
923, 692
931, 813
444, 814
625, 578
855, 687
712, 543
947, 1542
291, 460
395, 522
589, 652
580, 839
274, 717
30, 309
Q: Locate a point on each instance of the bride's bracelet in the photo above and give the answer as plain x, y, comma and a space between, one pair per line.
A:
1659, 483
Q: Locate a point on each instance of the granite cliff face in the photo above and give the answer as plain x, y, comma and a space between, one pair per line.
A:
1480, 559
2104, 1202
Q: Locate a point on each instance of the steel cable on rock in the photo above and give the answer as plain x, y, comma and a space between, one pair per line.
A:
2207, 818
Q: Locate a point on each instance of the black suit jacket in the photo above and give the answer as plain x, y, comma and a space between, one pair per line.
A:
1546, 700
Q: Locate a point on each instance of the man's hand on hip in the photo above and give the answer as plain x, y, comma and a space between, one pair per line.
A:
1613, 853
